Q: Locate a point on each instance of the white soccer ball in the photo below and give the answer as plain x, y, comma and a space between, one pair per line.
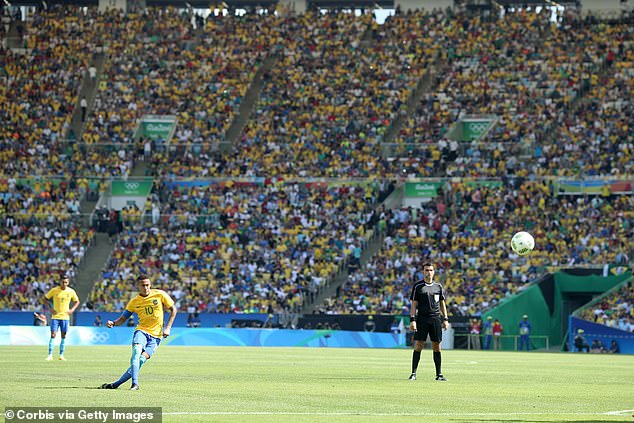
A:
522, 243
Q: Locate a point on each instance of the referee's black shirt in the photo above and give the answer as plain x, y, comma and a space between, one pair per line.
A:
428, 298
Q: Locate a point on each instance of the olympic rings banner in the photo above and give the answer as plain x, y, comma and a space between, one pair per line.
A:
77, 335
134, 188
84, 335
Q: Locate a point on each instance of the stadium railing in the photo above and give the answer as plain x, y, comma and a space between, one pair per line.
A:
509, 342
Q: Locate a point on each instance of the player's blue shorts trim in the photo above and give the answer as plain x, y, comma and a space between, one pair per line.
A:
147, 342
60, 324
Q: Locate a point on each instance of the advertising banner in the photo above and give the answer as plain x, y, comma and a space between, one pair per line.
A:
156, 130
81, 335
473, 130
157, 127
422, 189
135, 188
593, 187
488, 183
593, 331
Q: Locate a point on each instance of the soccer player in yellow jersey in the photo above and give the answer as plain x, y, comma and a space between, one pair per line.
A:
149, 306
62, 296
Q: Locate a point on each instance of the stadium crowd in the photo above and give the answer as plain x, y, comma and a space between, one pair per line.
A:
38, 91
465, 231
615, 310
527, 73
337, 84
331, 96
231, 247
41, 236
596, 138
160, 68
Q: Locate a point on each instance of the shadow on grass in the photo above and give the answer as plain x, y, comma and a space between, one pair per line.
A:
489, 420
68, 387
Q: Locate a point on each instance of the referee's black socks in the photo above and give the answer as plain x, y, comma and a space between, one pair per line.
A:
437, 362
415, 360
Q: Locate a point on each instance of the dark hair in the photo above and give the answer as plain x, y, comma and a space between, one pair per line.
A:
142, 278
428, 264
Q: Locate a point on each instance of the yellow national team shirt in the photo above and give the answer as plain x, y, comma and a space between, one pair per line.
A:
150, 310
61, 301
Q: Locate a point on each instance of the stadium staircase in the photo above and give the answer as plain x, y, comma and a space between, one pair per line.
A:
89, 90
14, 41
553, 132
427, 83
331, 289
248, 104
368, 39
140, 168
90, 268
99, 252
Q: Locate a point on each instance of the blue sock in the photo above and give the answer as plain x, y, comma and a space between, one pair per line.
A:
124, 377
128, 373
50, 346
61, 346
135, 363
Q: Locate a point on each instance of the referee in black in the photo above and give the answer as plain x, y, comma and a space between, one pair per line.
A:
428, 316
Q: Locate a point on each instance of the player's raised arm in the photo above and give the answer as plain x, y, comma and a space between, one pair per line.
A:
123, 318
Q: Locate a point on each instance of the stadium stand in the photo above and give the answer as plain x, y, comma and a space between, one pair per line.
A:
616, 310
37, 96
532, 84
161, 63
338, 83
231, 247
309, 98
593, 138
466, 234
41, 237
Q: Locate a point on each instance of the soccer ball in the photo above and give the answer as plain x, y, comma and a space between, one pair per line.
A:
522, 243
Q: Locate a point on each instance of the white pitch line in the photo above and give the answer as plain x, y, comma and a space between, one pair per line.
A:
619, 413
351, 413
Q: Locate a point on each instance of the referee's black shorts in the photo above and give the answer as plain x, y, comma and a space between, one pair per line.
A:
428, 326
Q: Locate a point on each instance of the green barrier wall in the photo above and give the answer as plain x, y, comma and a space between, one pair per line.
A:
590, 283
543, 303
530, 301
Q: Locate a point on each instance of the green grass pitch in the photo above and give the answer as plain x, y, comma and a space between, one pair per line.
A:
214, 384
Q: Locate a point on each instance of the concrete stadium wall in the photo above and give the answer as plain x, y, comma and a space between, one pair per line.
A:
112, 5
299, 6
423, 4
601, 5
